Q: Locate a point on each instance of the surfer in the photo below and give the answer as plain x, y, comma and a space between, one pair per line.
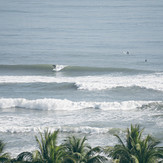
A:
54, 66
58, 67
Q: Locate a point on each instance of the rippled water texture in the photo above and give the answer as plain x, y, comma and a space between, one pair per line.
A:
88, 68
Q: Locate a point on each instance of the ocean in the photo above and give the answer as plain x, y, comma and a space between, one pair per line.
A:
88, 68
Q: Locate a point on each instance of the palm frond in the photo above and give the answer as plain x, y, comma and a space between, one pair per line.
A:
25, 156
3, 156
120, 140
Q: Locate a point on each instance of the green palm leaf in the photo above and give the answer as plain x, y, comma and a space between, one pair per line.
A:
82, 152
3, 156
135, 149
48, 150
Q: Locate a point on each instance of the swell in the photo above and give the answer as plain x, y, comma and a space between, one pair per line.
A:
24, 67
37, 69
102, 69
68, 69
67, 105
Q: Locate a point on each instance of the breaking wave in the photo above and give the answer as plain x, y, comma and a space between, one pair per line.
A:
62, 129
152, 106
67, 105
90, 83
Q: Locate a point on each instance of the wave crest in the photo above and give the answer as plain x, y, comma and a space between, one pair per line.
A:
152, 106
62, 129
90, 83
57, 104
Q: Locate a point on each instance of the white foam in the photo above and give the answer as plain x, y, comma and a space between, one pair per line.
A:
57, 104
86, 130
154, 81
43, 104
66, 129
80, 129
150, 81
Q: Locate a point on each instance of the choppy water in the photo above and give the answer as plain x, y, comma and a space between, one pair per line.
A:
96, 88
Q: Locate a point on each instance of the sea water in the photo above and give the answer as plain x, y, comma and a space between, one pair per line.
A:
88, 68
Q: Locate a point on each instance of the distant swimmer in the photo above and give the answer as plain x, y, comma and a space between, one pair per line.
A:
145, 60
127, 52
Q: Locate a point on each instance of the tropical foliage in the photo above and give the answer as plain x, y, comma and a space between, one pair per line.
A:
135, 149
24, 157
48, 150
3, 156
82, 152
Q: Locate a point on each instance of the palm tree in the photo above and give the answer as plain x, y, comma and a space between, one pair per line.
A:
82, 152
75, 147
136, 149
49, 151
147, 150
133, 136
4, 157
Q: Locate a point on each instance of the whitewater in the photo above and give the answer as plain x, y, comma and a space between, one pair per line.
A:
87, 68
152, 81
